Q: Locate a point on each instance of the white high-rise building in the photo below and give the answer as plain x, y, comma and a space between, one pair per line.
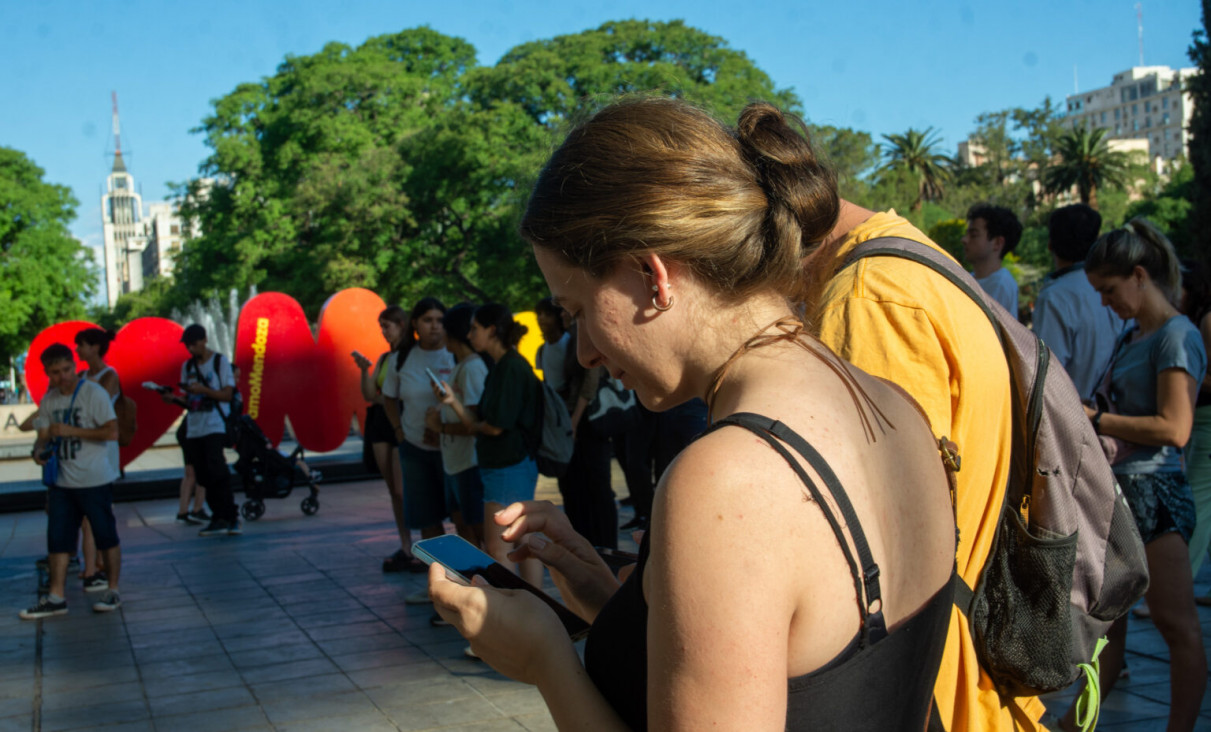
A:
122, 229
1143, 103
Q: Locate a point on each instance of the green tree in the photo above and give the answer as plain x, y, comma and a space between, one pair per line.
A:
915, 151
46, 275
1087, 162
1171, 209
401, 166
852, 153
308, 167
557, 81
1199, 87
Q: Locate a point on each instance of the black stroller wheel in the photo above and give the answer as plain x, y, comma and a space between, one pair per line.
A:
310, 505
253, 509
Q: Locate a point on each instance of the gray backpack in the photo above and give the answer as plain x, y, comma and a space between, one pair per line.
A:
1067, 559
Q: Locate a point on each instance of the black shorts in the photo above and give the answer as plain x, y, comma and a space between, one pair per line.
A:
378, 427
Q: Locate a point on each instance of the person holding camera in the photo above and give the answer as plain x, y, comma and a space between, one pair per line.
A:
75, 424
208, 383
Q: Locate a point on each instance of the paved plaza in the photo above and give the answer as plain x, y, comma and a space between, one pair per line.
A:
293, 626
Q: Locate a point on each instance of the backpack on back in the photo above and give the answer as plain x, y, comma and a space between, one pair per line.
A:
552, 441
126, 411
1067, 559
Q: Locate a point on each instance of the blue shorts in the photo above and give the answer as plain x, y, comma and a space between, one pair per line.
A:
65, 507
511, 484
424, 486
465, 492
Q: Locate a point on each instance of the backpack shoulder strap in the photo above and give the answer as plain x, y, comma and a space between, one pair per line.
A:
894, 246
947, 267
866, 579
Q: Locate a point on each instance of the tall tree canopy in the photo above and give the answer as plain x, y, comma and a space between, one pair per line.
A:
915, 152
1087, 162
1200, 137
45, 274
402, 166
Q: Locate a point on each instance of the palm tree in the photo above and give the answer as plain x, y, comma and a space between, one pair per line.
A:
1087, 162
914, 152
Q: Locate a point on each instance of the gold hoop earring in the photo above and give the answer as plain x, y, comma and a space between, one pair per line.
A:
665, 308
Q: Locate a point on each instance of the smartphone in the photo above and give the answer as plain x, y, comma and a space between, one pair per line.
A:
616, 559
464, 560
436, 382
357, 356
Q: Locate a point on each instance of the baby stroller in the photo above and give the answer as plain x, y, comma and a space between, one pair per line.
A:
267, 473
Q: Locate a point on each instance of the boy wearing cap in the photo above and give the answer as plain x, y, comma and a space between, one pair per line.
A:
76, 421
209, 384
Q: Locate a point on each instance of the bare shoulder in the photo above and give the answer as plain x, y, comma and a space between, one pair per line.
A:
728, 481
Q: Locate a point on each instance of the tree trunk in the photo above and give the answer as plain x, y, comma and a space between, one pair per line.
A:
1090, 198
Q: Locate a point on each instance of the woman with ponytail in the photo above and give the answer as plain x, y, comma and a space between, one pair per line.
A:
393, 323
797, 570
1154, 378
503, 423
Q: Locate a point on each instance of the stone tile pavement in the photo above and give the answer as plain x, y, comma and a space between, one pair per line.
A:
293, 626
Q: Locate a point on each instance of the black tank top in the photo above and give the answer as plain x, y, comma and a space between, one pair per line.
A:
879, 682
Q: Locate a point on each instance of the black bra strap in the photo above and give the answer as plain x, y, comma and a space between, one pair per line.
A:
866, 581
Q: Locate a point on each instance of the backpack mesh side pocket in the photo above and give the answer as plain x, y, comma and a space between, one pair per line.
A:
1021, 617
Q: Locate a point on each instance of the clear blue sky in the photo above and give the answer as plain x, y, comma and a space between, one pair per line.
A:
876, 65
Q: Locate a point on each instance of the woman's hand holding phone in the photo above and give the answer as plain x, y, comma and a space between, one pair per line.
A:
583, 578
511, 630
362, 362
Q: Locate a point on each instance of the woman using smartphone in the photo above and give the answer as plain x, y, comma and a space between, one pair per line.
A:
1154, 380
458, 440
407, 395
797, 572
392, 323
503, 423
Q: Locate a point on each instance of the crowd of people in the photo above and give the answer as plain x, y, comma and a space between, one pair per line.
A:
800, 553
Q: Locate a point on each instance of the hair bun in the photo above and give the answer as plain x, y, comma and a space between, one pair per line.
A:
789, 172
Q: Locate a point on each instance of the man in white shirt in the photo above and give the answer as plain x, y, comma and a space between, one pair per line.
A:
76, 423
1069, 315
993, 232
209, 385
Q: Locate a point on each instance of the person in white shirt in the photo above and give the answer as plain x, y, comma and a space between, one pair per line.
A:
993, 232
1068, 314
408, 395
209, 385
76, 422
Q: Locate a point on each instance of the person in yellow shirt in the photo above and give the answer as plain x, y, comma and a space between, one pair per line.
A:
900, 320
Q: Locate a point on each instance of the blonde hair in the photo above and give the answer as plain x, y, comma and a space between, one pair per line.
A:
740, 208
1138, 243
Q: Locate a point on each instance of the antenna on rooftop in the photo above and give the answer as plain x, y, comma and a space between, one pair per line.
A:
1139, 22
117, 130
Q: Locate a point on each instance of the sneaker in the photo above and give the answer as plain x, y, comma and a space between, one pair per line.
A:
108, 603
44, 609
216, 527
471, 654
199, 515
96, 583
420, 597
184, 518
438, 621
234, 528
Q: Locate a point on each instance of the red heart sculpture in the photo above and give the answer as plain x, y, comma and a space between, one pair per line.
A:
147, 349
284, 372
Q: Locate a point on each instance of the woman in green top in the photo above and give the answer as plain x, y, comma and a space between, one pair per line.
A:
506, 413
